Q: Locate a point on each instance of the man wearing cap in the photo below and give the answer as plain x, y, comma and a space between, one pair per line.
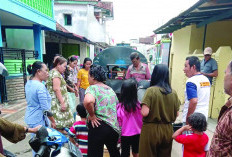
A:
209, 66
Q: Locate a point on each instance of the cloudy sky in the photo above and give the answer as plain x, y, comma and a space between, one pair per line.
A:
138, 18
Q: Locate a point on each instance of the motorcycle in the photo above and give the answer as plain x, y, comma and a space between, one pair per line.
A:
49, 142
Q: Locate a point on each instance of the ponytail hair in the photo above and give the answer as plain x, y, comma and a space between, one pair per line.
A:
71, 59
32, 69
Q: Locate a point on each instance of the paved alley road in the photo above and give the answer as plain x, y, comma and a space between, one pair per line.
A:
22, 149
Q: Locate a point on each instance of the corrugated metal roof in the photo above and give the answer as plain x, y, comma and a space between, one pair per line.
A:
201, 13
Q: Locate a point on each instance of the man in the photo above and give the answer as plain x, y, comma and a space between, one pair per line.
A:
209, 66
137, 70
13, 132
221, 144
197, 91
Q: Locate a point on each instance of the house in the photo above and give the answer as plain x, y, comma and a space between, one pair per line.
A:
205, 24
22, 23
86, 18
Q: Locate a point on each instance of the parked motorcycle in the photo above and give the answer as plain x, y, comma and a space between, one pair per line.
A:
49, 142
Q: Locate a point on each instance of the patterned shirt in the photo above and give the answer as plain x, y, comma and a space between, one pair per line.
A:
105, 107
79, 129
142, 74
70, 76
221, 144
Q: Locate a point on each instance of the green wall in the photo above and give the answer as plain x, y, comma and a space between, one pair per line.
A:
70, 49
88, 52
43, 6
20, 39
15, 66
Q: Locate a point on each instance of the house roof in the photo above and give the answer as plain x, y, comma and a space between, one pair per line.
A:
105, 5
64, 32
201, 13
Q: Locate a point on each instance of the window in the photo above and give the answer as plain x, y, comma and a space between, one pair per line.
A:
68, 19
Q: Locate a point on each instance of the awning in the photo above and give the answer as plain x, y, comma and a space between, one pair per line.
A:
201, 14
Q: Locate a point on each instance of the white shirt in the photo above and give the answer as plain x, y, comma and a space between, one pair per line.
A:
197, 86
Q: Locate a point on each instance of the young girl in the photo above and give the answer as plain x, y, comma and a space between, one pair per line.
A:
195, 144
82, 76
129, 118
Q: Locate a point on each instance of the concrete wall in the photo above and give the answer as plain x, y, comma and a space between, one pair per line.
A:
84, 22
189, 39
219, 34
179, 49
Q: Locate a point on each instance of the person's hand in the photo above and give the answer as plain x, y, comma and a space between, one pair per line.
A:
76, 93
187, 127
35, 129
63, 107
77, 145
94, 121
72, 90
53, 125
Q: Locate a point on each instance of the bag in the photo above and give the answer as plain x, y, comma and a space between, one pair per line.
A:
72, 99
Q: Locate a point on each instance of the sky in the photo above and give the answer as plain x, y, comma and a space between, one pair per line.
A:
139, 18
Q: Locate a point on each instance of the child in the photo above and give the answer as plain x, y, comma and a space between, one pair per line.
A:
129, 118
195, 144
80, 130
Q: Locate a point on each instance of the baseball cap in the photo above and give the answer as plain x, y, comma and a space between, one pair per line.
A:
208, 51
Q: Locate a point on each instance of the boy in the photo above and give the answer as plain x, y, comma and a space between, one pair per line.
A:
80, 130
195, 144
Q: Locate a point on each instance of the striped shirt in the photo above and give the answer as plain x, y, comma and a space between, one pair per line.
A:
80, 130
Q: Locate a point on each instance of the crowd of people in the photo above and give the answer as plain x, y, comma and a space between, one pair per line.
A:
145, 127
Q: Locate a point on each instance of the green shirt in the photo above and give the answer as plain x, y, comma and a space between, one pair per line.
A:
163, 108
105, 104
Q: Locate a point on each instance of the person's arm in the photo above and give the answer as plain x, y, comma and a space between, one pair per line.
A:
148, 74
32, 130
89, 102
191, 90
213, 74
128, 75
71, 89
72, 133
192, 107
14, 132
56, 87
179, 131
43, 101
145, 110
73, 141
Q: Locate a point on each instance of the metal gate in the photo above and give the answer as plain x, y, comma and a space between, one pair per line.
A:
15, 54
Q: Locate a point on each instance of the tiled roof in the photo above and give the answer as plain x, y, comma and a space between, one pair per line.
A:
105, 5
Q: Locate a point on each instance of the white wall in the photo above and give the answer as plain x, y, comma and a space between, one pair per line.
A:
84, 22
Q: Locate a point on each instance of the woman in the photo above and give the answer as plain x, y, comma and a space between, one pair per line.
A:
37, 96
100, 101
71, 80
160, 107
82, 76
57, 88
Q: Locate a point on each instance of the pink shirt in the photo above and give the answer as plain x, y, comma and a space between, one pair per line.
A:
142, 74
131, 123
